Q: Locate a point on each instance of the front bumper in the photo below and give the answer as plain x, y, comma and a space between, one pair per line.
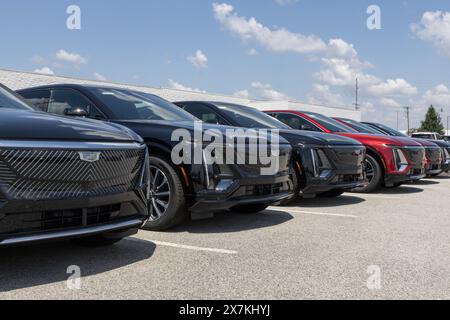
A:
115, 216
267, 191
414, 175
344, 170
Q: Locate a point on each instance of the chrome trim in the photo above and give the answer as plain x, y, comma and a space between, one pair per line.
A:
72, 233
72, 145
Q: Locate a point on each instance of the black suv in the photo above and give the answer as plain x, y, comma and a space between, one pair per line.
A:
175, 189
324, 164
62, 178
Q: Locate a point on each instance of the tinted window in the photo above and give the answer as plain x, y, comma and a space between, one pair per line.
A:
133, 105
8, 99
204, 113
388, 130
358, 126
247, 117
63, 99
331, 124
38, 98
296, 122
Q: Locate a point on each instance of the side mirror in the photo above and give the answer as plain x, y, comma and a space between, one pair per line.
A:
76, 112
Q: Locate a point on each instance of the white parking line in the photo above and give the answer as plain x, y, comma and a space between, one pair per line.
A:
376, 196
186, 247
314, 213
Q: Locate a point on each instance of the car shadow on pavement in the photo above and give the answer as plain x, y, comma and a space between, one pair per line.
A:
226, 222
343, 200
423, 183
441, 177
30, 266
405, 189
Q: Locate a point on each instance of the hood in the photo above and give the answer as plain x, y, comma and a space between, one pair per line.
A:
440, 143
296, 137
425, 143
381, 139
31, 125
162, 130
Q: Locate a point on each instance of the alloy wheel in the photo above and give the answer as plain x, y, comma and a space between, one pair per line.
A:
159, 193
370, 171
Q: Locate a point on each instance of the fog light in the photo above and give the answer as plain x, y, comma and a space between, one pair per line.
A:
224, 185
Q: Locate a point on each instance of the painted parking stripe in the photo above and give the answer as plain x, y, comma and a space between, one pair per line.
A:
376, 196
187, 247
315, 213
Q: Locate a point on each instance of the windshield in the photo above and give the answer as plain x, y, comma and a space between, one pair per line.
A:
133, 105
11, 101
331, 124
361, 127
247, 117
389, 130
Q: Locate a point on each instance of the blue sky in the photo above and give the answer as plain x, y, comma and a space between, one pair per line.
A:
265, 49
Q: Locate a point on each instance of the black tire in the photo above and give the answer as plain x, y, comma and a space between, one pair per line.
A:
374, 168
332, 194
95, 241
295, 191
176, 212
250, 209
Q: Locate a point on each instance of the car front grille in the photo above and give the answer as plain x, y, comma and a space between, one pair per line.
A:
243, 160
264, 190
434, 155
416, 156
49, 174
54, 220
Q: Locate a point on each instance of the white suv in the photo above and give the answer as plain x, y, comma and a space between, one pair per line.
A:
427, 135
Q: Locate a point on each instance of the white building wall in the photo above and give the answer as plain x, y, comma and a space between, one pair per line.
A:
20, 80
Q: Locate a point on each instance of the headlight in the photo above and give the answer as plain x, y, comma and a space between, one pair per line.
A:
446, 155
401, 162
321, 165
217, 177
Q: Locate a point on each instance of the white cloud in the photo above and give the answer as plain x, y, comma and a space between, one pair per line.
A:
261, 91
340, 66
45, 70
74, 58
434, 28
199, 60
392, 87
438, 96
252, 52
390, 103
98, 76
273, 39
322, 94
178, 86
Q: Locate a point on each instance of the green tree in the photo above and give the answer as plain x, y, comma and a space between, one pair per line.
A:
432, 122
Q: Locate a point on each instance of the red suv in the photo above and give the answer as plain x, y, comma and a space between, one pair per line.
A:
390, 162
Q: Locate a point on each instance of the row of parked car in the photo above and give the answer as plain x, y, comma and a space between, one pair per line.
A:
94, 164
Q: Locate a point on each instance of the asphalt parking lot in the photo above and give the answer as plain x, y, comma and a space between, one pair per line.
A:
318, 248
